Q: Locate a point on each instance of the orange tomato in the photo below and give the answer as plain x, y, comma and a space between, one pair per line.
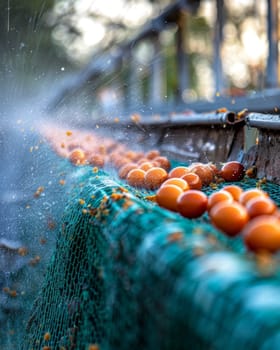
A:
232, 171
192, 203
217, 197
131, 155
73, 145
193, 180
277, 213
119, 161
214, 168
234, 190
152, 154
96, 160
245, 196
178, 171
162, 162
146, 166
138, 156
260, 205
154, 177
142, 160
125, 169
229, 217
262, 233
204, 172
178, 182
135, 177
167, 195
77, 156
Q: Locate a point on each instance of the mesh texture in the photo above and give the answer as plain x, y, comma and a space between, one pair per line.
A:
127, 274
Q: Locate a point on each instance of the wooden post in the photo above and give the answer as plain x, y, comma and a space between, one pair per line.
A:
156, 80
272, 34
182, 61
218, 38
134, 94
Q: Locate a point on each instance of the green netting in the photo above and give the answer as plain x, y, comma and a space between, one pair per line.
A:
127, 274
25, 250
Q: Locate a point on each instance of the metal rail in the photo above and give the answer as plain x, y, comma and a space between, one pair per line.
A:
266, 101
263, 121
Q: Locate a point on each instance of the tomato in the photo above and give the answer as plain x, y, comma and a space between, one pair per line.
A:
232, 171
217, 197
214, 168
230, 218
167, 195
77, 156
152, 154
162, 162
193, 180
192, 203
125, 169
120, 160
131, 155
277, 213
262, 234
249, 194
178, 171
96, 160
204, 172
154, 177
135, 177
260, 205
178, 182
143, 160
234, 190
146, 166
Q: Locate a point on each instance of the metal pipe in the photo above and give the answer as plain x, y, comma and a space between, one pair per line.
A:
226, 118
263, 121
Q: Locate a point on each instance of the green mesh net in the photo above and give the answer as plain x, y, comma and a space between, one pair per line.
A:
36, 212
127, 274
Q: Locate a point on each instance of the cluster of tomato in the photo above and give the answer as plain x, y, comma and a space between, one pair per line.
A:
232, 210
85, 148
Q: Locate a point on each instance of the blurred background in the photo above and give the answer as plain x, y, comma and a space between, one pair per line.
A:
110, 50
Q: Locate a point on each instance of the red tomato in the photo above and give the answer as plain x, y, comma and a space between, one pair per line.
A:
232, 171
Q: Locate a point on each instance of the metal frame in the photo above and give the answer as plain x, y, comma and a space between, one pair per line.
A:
267, 101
